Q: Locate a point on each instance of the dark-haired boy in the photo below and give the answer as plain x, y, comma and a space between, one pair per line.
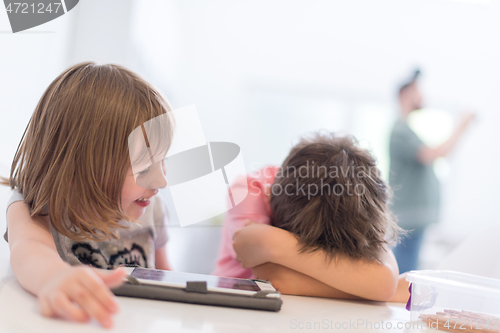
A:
317, 226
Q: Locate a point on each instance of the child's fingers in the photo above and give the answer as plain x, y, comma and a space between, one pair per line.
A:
101, 291
267, 192
112, 280
85, 298
46, 309
66, 309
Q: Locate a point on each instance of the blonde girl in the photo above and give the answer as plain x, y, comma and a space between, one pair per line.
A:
76, 205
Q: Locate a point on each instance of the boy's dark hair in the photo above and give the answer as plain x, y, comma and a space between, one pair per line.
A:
330, 194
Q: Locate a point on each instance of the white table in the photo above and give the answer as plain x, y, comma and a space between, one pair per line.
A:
19, 314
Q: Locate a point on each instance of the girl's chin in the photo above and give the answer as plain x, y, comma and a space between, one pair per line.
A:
136, 211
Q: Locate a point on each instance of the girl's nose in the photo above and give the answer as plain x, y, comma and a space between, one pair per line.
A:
159, 178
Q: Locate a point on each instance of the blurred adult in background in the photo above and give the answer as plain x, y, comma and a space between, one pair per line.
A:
412, 178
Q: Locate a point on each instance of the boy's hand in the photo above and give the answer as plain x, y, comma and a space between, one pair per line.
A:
80, 293
267, 193
253, 244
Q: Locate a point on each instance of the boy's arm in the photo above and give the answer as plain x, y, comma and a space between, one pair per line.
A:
290, 282
256, 244
58, 285
402, 293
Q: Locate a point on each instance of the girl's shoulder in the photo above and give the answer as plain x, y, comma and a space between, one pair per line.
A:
16, 196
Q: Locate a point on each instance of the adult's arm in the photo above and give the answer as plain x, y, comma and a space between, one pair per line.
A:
427, 155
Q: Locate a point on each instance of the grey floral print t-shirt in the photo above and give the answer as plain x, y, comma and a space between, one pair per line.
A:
136, 245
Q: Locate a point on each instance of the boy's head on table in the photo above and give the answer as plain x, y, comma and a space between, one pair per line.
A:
330, 194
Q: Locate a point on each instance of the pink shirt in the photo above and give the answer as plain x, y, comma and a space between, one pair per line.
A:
255, 207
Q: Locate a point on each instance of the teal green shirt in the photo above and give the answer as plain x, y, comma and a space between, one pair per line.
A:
415, 185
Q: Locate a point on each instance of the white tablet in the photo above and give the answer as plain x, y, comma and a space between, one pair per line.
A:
214, 283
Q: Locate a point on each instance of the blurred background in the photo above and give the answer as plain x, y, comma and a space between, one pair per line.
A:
264, 73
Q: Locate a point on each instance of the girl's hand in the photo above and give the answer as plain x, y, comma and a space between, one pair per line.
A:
253, 244
80, 293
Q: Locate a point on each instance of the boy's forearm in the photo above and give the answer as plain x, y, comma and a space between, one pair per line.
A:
31, 259
363, 278
402, 293
291, 282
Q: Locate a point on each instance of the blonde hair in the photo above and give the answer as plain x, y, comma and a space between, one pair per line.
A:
73, 157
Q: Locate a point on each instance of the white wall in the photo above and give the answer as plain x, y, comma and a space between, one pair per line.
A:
29, 61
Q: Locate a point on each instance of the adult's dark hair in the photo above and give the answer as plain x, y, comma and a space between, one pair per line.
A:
410, 82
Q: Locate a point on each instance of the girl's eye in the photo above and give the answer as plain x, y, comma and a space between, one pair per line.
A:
143, 172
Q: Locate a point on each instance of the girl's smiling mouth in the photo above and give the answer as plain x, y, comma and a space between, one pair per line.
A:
143, 202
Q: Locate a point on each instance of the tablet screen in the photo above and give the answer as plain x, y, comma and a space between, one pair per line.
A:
179, 279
